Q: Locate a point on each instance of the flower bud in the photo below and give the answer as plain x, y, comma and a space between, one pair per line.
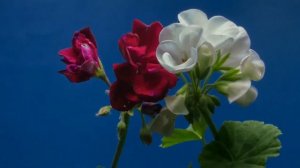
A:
145, 136
104, 111
206, 57
82, 58
121, 129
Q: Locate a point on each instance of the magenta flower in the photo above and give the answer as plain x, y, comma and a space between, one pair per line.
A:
82, 58
141, 78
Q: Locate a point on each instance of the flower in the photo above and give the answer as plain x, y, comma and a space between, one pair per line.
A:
82, 58
223, 34
252, 66
177, 50
176, 105
235, 90
248, 97
141, 78
226, 37
163, 123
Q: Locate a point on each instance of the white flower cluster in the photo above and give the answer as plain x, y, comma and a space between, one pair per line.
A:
196, 40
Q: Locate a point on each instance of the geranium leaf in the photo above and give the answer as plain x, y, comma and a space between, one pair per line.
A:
179, 136
242, 145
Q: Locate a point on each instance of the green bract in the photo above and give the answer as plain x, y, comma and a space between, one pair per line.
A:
242, 145
180, 136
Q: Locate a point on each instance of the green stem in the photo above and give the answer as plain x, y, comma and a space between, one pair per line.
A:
210, 123
143, 120
211, 70
184, 78
122, 140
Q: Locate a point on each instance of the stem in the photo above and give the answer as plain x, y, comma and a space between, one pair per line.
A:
211, 70
143, 120
210, 123
121, 142
184, 78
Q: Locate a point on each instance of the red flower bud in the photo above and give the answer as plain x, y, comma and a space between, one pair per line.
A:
82, 58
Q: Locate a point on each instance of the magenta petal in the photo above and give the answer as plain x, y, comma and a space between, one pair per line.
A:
89, 67
122, 97
88, 52
88, 34
74, 76
157, 68
152, 37
129, 39
125, 72
138, 27
69, 56
150, 87
136, 54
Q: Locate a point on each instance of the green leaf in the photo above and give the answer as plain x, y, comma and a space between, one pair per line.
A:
179, 136
242, 145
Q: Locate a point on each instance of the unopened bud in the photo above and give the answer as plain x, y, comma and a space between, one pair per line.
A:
104, 111
121, 129
206, 57
145, 136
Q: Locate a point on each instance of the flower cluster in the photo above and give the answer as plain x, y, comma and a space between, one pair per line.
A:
197, 49
196, 41
141, 78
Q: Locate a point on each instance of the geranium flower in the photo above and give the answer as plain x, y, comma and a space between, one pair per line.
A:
145, 79
177, 51
226, 37
82, 58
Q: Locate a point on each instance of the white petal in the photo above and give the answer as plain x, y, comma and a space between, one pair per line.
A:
219, 25
176, 104
192, 17
190, 37
173, 59
171, 32
174, 51
235, 90
163, 123
239, 49
189, 64
252, 66
249, 97
220, 42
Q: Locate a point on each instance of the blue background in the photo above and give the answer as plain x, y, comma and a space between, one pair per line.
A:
45, 121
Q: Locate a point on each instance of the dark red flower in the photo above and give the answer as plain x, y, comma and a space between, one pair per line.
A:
142, 75
82, 58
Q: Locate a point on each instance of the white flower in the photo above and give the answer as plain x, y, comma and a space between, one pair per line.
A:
163, 122
227, 37
177, 51
252, 66
248, 97
235, 90
176, 104
223, 34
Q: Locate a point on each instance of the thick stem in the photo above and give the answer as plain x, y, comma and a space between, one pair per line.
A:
122, 140
210, 123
